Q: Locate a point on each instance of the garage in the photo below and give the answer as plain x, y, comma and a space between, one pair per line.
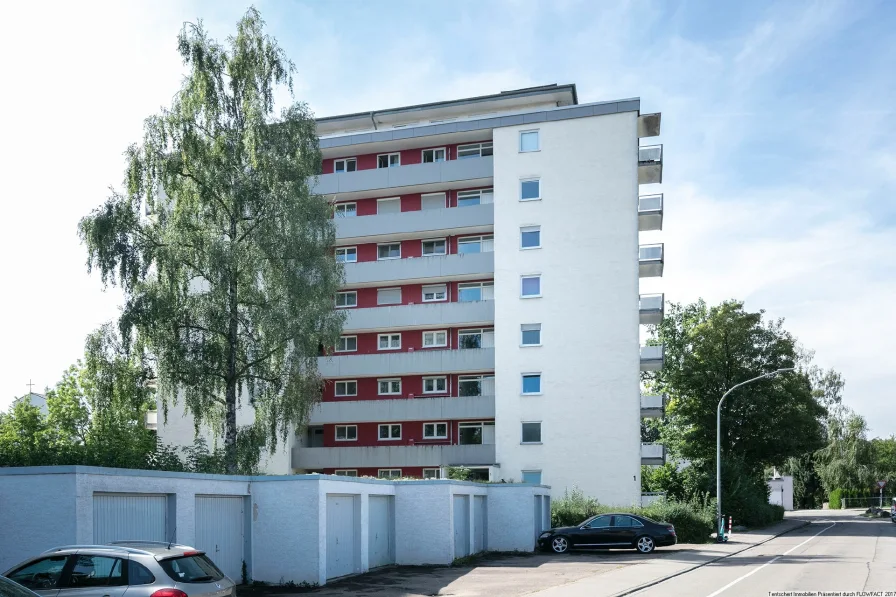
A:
461, 526
381, 531
480, 524
538, 517
220, 531
343, 536
129, 517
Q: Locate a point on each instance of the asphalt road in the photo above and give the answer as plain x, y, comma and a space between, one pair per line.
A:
837, 552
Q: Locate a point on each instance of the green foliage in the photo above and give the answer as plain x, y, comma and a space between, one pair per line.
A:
808, 491
847, 461
458, 473
230, 282
834, 499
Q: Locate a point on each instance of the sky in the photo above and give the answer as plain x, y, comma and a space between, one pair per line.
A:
778, 121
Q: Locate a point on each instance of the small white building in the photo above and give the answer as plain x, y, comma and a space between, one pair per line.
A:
781, 492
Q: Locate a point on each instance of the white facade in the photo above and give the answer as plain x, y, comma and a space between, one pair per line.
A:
780, 492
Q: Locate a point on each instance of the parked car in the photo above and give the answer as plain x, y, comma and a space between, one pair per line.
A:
9, 588
893, 510
610, 531
142, 568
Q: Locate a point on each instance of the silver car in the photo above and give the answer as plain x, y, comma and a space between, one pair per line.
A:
134, 568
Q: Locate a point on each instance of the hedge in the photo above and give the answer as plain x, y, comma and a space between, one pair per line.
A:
834, 499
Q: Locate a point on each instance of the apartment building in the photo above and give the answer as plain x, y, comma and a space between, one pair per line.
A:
492, 268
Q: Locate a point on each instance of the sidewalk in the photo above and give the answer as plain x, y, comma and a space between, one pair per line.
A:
629, 579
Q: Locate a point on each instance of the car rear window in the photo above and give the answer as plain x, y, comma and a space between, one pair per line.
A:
192, 568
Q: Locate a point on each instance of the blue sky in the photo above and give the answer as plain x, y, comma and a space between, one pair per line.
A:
778, 127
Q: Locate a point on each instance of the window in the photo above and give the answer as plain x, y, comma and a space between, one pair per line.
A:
433, 339
139, 575
390, 432
346, 433
469, 385
481, 338
481, 197
346, 388
435, 385
389, 387
530, 334
626, 522
474, 150
389, 473
388, 251
389, 341
433, 155
530, 286
42, 574
346, 210
388, 296
434, 247
346, 299
476, 433
531, 433
530, 237
347, 254
432, 201
600, 522
388, 160
476, 244
346, 472
529, 141
96, 571
388, 206
347, 344
531, 383
530, 189
345, 165
533, 477
475, 291
432, 473
435, 431
436, 292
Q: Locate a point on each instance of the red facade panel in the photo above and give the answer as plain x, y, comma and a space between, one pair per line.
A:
411, 435
410, 340
411, 294
411, 385
408, 157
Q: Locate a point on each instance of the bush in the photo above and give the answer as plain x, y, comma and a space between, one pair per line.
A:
834, 499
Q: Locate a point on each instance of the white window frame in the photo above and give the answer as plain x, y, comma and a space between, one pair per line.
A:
346, 438
345, 251
540, 433
390, 199
435, 378
480, 379
469, 240
390, 426
341, 338
444, 242
435, 430
345, 169
346, 382
522, 330
389, 381
478, 146
523, 376
530, 296
378, 245
540, 474
481, 285
443, 194
530, 179
389, 159
389, 472
346, 293
468, 194
434, 150
435, 472
434, 333
389, 338
398, 288
537, 138
429, 289
525, 229
346, 472
472, 332
337, 211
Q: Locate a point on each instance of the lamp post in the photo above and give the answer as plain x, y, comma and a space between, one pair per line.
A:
721, 525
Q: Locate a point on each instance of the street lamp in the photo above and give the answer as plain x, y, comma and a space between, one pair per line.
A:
721, 525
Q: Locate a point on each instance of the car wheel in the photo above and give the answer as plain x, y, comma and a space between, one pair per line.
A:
644, 544
560, 544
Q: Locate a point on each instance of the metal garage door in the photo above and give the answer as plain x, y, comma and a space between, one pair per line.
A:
129, 517
538, 518
461, 526
220, 525
381, 531
480, 524
341, 537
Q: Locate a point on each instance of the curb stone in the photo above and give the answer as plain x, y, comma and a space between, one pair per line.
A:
805, 523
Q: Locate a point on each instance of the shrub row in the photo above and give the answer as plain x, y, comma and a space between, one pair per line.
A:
834, 499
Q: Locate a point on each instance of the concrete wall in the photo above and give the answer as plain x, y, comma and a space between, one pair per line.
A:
781, 492
511, 516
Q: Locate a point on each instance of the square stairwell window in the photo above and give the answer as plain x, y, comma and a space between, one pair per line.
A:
533, 477
530, 286
346, 433
347, 344
389, 473
388, 251
530, 189
435, 293
435, 385
433, 155
435, 339
342, 389
345, 165
435, 431
531, 433
389, 387
347, 254
388, 296
434, 247
390, 432
346, 210
346, 472
432, 473
530, 334
389, 342
530, 237
346, 299
388, 160
529, 141
531, 383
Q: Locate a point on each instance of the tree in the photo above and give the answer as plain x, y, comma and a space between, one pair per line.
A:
230, 282
846, 462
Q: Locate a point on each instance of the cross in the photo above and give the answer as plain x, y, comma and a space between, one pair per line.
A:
30, 387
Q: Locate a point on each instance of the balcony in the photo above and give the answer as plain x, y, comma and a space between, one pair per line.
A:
651, 308
653, 407
415, 178
472, 219
467, 266
652, 357
650, 212
653, 454
418, 362
392, 456
405, 409
650, 261
649, 124
424, 315
650, 164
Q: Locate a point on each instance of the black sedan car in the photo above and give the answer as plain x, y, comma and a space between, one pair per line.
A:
610, 531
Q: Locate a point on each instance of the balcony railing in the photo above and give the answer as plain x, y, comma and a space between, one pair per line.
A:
652, 357
651, 308
419, 408
467, 266
423, 315
653, 407
650, 164
653, 454
470, 219
418, 362
651, 259
650, 212
392, 456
